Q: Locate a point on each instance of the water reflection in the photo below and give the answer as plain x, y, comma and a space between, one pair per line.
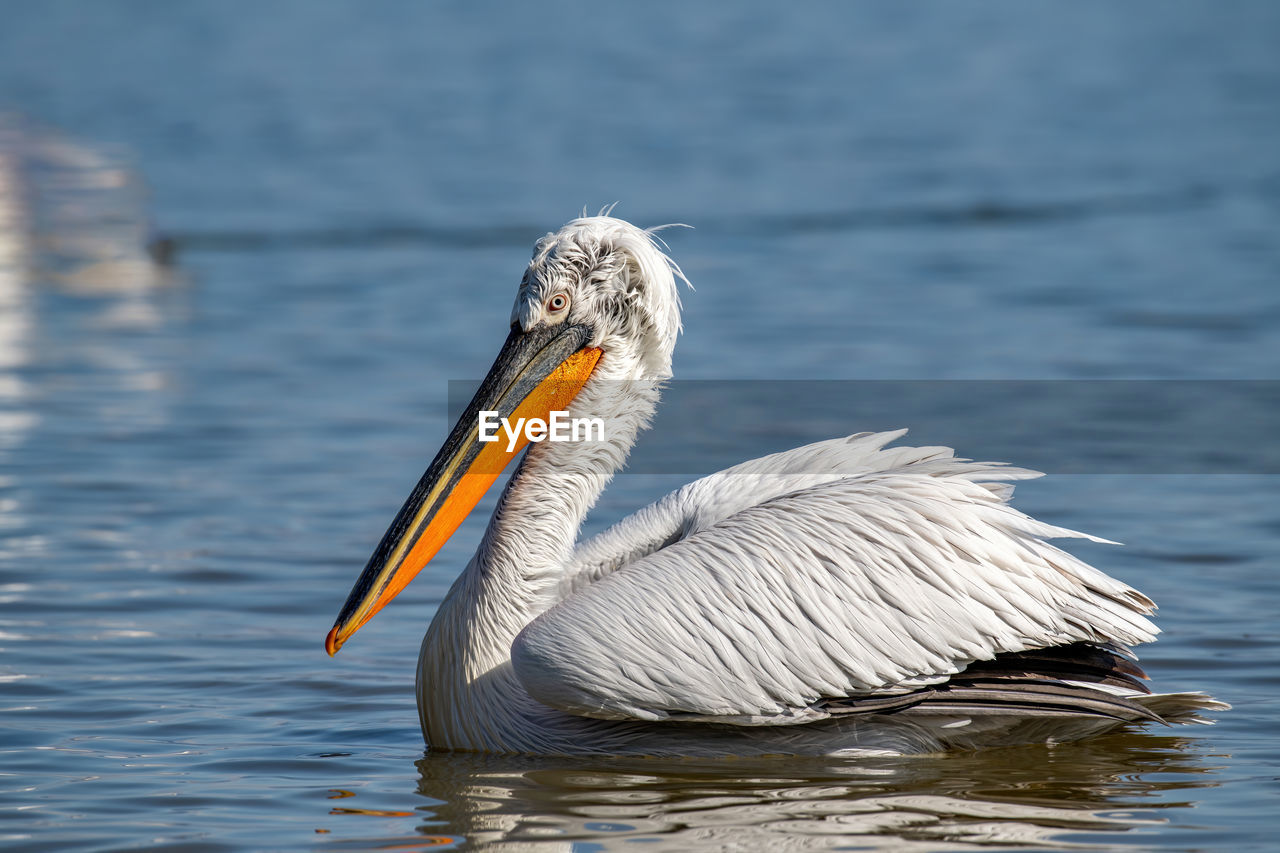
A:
73, 219
1087, 795
82, 325
15, 310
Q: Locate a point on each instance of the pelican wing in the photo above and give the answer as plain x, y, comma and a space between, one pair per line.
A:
709, 500
862, 585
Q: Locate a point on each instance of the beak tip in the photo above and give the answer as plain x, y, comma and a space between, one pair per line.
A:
331, 642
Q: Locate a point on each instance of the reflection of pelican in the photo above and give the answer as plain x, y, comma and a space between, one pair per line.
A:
840, 596
1037, 796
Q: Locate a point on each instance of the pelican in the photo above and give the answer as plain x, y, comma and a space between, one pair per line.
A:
846, 597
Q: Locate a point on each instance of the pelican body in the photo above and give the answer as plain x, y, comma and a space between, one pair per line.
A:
839, 598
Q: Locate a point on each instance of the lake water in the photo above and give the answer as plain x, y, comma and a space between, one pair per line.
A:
907, 207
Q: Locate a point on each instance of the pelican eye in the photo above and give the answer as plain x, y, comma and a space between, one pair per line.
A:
559, 302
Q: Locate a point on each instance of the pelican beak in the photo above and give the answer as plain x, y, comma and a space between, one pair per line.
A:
536, 372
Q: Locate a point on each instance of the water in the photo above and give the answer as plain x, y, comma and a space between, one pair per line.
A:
196, 459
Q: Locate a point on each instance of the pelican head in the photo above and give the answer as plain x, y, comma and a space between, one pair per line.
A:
597, 302
613, 279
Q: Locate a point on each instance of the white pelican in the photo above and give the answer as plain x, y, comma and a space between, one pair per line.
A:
836, 598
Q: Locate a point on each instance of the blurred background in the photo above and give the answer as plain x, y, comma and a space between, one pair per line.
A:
245, 248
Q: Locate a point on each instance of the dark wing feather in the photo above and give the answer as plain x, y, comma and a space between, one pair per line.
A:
1040, 682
